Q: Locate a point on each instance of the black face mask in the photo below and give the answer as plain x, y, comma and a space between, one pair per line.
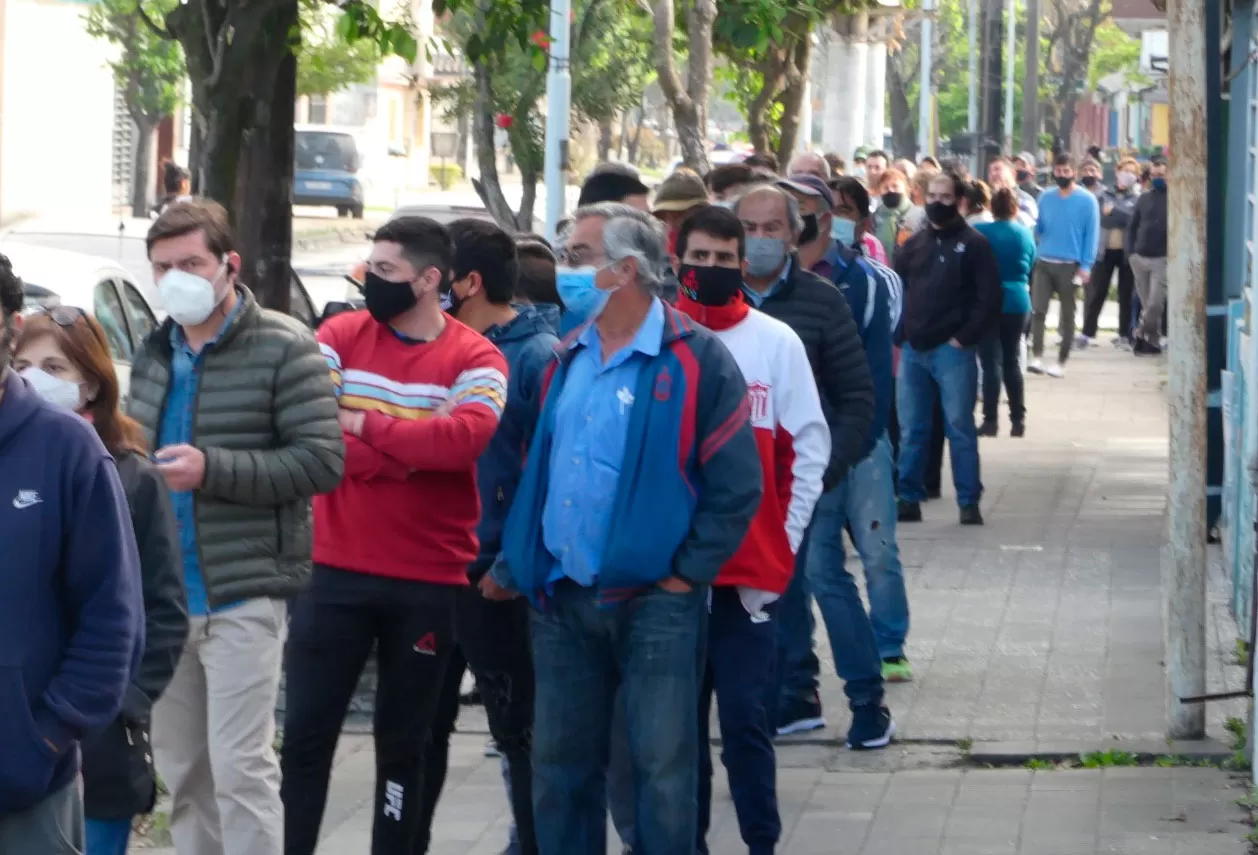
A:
940, 214
809, 234
386, 300
1063, 181
1024, 175
710, 286
1090, 181
892, 200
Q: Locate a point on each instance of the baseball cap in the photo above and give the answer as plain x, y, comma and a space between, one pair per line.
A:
1027, 158
808, 185
680, 191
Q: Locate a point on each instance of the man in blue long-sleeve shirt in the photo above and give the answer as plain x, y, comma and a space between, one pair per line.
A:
1067, 228
71, 614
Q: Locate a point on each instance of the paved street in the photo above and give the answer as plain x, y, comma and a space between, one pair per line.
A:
1040, 633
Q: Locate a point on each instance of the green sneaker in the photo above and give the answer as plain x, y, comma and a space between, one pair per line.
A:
896, 670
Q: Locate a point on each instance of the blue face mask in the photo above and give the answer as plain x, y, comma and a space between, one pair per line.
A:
582, 299
843, 231
1158, 183
765, 256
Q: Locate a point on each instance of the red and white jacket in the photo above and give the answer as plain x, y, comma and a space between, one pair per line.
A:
792, 437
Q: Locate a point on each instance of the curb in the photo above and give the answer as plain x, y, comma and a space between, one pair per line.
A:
1057, 751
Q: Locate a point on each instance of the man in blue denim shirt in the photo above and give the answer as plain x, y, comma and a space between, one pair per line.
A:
619, 567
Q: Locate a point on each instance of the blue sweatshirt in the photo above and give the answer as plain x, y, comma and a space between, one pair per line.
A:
1015, 256
71, 608
528, 344
1069, 226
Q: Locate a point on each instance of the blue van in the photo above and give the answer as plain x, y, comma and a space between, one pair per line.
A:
327, 164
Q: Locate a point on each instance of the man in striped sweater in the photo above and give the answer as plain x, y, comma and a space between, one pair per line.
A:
794, 446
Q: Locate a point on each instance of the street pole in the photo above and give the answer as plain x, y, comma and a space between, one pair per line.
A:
1011, 50
925, 94
558, 106
1031, 82
972, 115
1186, 278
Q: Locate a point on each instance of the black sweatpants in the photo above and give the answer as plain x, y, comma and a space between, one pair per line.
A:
1098, 290
334, 625
493, 641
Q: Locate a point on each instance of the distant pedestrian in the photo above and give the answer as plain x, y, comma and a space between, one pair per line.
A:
876, 163
71, 609
1146, 251
1117, 206
838, 166
810, 163
893, 218
727, 181
1024, 172
976, 203
952, 296
999, 352
62, 353
1000, 173
615, 182
907, 167
238, 404
1068, 229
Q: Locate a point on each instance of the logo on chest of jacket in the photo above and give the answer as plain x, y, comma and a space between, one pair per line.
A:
427, 644
26, 499
663, 385
758, 399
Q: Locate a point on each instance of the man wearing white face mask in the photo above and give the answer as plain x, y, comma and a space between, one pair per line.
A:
237, 401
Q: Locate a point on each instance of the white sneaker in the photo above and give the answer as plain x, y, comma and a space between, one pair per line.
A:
1082, 342
1057, 370
1036, 367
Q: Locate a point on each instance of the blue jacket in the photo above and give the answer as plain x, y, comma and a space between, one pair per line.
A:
528, 343
71, 609
870, 303
1015, 256
690, 481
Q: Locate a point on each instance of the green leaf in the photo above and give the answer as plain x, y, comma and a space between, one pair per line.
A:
538, 59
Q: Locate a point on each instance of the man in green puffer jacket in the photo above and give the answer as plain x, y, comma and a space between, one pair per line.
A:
239, 404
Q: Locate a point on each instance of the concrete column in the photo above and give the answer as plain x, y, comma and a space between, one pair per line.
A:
803, 142
846, 74
876, 93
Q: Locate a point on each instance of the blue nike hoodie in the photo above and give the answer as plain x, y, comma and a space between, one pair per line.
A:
528, 344
71, 610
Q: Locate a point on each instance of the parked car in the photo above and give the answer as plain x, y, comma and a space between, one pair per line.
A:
102, 288
123, 243
326, 170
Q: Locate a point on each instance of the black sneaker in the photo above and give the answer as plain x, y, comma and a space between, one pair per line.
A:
909, 511
872, 727
800, 715
1147, 349
1018, 429
988, 429
933, 493
971, 515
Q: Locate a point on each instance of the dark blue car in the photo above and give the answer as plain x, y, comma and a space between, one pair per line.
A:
326, 174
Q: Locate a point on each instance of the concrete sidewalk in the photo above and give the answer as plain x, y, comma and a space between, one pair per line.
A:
1038, 634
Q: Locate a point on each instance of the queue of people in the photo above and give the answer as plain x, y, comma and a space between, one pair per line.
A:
608, 529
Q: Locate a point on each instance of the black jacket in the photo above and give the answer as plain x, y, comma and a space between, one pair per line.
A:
820, 316
118, 780
951, 287
1146, 233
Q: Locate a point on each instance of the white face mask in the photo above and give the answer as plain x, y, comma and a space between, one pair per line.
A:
190, 299
54, 390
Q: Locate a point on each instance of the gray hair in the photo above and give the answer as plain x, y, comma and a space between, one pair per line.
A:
792, 204
630, 233
812, 159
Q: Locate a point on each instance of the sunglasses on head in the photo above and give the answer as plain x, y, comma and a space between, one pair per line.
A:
62, 316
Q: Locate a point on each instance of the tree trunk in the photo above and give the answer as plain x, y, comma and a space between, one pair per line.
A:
792, 98
488, 187
624, 135
529, 175
635, 142
903, 123
604, 140
688, 102
141, 177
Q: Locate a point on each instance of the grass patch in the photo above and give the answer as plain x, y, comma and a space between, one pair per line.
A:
1107, 759
1242, 652
965, 744
1037, 765
1240, 740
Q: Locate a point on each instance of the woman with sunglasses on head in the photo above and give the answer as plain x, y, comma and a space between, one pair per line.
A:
62, 354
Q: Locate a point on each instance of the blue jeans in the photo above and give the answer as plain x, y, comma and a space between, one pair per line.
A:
108, 836
648, 646
797, 665
741, 654
864, 504
948, 374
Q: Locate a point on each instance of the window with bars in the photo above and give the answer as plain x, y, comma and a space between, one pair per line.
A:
123, 156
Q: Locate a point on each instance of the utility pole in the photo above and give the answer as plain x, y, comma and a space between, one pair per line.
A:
1031, 83
925, 92
1186, 277
971, 15
558, 106
1011, 50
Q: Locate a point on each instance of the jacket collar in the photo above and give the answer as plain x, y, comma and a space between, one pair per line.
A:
160, 339
676, 326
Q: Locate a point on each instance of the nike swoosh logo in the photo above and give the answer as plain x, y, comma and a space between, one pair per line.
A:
22, 504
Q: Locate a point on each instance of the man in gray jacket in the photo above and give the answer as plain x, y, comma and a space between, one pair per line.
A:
238, 402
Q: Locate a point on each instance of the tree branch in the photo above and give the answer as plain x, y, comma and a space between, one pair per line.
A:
161, 32
665, 65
